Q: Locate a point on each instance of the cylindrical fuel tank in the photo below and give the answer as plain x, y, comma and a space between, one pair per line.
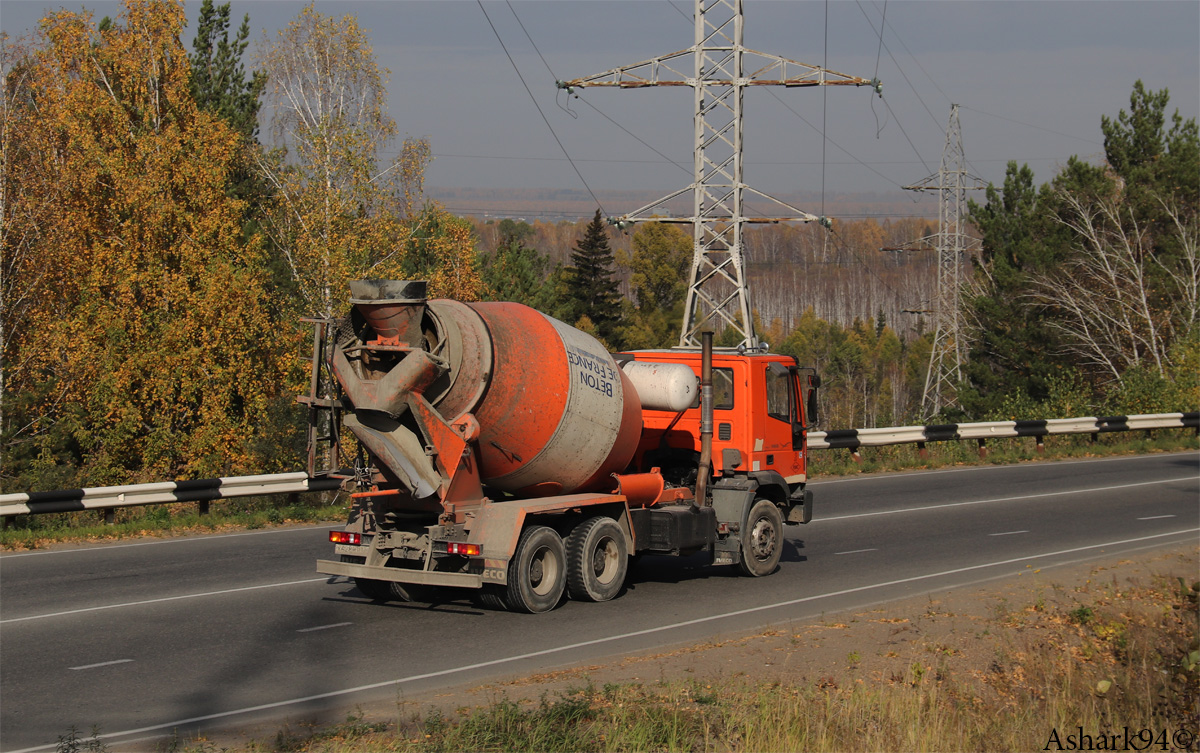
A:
556, 413
671, 387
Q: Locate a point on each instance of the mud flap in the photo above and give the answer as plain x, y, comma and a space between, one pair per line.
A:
801, 509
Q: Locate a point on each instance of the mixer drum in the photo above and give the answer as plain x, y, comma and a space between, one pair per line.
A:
556, 414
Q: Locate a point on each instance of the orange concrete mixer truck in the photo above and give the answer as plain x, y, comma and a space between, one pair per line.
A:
506, 452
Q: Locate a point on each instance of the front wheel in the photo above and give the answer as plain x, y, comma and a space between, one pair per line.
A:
537, 573
597, 559
762, 539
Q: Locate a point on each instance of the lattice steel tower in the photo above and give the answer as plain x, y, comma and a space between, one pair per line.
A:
951, 181
722, 68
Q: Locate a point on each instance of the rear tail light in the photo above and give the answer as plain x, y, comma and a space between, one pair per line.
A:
345, 537
467, 550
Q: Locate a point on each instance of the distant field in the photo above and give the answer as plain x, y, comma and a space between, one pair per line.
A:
552, 205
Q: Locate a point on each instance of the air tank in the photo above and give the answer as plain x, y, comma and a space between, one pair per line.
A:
556, 413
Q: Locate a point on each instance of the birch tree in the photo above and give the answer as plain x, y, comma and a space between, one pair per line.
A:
1116, 302
337, 213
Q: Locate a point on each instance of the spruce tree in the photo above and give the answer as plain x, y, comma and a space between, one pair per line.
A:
591, 284
220, 86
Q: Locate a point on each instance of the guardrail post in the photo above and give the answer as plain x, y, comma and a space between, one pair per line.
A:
202, 507
982, 448
1095, 437
922, 451
110, 516
1040, 447
854, 454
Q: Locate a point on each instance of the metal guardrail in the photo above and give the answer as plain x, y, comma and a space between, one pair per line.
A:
205, 490
201, 490
853, 439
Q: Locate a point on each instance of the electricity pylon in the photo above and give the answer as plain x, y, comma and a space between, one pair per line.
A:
722, 68
946, 358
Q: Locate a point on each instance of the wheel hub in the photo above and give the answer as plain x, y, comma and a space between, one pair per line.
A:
762, 539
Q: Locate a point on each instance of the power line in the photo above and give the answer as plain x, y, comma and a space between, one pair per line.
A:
539, 108
906, 138
911, 55
898, 68
831, 141
537, 211
589, 104
782, 163
1031, 125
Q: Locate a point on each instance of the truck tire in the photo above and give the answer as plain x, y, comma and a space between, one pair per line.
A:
537, 573
597, 559
762, 539
384, 590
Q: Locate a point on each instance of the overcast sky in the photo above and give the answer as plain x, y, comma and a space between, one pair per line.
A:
1032, 78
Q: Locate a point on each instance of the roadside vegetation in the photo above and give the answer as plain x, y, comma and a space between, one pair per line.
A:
1097, 657
155, 266
249, 513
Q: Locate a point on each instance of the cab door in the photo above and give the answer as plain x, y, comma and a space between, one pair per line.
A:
779, 437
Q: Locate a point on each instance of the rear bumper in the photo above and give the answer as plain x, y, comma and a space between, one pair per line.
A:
397, 575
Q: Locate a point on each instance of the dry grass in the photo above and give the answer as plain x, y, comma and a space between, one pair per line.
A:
1099, 657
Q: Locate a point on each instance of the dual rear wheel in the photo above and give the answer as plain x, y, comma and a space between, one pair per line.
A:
590, 565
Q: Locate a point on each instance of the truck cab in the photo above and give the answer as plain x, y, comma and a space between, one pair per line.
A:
759, 414
761, 406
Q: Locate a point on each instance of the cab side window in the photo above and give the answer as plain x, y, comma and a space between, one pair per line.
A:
779, 396
722, 390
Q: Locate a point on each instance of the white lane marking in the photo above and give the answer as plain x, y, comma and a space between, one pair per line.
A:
178, 540
324, 627
1005, 499
968, 469
1007, 533
165, 598
103, 664
1157, 517
857, 551
607, 639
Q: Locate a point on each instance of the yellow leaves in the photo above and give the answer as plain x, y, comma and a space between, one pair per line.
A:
154, 316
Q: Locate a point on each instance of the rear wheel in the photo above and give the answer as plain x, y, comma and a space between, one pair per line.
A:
537, 571
762, 539
597, 560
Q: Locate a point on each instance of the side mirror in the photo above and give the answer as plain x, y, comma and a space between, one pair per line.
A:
814, 381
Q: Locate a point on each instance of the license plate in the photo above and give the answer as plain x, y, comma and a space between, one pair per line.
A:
359, 551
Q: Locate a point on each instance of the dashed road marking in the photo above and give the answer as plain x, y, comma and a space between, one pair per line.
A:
324, 627
673, 627
165, 598
103, 664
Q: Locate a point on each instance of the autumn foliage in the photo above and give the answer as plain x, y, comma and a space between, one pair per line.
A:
145, 350
149, 319
156, 258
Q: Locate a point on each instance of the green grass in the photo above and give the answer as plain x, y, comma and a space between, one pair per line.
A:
35, 531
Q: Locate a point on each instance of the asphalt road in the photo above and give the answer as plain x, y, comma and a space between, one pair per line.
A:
142, 639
